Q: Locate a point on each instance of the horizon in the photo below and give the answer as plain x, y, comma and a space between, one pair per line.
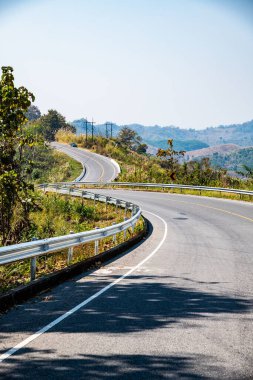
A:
184, 63
163, 126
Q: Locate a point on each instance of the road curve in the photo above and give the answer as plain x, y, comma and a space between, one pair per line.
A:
177, 306
97, 168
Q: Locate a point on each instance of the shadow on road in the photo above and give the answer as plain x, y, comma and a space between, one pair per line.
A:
99, 367
142, 303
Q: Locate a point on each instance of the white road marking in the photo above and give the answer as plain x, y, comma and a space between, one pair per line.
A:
44, 329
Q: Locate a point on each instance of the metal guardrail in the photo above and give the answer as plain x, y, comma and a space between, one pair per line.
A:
36, 248
31, 250
159, 185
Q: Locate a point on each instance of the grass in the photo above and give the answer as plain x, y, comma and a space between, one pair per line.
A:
144, 168
212, 194
60, 215
56, 167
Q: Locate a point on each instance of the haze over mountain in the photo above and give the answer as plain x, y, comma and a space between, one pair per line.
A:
186, 139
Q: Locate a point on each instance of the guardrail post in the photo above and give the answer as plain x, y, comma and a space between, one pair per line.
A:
33, 265
96, 243
133, 226
114, 238
70, 252
126, 208
33, 268
106, 205
125, 231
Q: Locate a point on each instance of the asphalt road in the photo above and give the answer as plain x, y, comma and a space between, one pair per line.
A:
177, 306
98, 168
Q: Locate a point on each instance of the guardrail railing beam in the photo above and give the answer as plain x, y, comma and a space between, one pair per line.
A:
35, 248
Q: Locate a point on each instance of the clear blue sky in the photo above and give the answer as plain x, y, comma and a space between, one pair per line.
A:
183, 62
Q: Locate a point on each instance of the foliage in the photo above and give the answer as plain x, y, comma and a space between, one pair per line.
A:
185, 139
233, 160
33, 113
49, 165
246, 171
60, 215
129, 139
16, 199
49, 124
170, 158
145, 168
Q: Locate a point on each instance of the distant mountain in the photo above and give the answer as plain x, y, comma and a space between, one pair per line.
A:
187, 145
233, 160
206, 152
228, 156
184, 139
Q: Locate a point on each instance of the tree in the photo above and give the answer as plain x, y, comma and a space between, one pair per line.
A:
247, 171
171, 157
142, 149
16, 194
127, 137
50, 123
33, 113
131, 140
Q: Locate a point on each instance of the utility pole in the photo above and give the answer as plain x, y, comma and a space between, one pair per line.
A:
107, 125
92, 130
86, 130
111, 129
107, 130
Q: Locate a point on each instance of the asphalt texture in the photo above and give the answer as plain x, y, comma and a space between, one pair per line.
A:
184, 313
98, 168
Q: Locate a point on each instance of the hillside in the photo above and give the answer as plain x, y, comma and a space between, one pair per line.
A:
233, 160
227, 156
185, 139
206, 152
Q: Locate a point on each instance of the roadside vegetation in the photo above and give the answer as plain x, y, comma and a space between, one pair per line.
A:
167, 167
26, 159
54, 166
61, 215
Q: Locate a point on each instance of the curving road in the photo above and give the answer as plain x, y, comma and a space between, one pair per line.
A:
98, 168
177, 306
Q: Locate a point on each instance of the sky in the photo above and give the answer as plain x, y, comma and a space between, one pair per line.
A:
187, 63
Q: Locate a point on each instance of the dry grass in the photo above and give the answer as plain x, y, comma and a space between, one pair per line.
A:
15, 274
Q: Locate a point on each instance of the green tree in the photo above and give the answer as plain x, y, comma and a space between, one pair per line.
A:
16, 194
247, 171
128, 138
50, 123
33, 113
142, 148
171, 157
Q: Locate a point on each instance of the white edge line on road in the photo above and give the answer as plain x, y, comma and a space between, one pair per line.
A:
85, 302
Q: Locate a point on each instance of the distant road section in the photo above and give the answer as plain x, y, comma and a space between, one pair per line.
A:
97, 168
